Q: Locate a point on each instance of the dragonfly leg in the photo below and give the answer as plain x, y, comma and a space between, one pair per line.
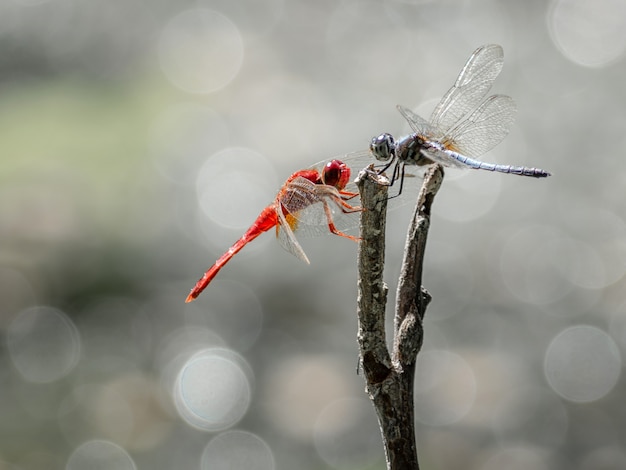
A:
397, 176
338, 198
345, 207
347, 195
331, 225
385, 167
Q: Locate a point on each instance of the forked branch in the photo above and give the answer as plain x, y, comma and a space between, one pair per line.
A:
389, 377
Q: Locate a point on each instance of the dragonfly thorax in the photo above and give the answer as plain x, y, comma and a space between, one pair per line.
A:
409, 150
383, 147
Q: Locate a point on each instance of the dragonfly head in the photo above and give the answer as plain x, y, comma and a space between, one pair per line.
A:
336, 173
383, 147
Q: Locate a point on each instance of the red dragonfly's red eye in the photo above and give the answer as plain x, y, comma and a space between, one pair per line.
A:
336, 173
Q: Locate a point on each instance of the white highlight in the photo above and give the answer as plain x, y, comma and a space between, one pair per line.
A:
582, 364
44, 344
237, 449
592, 34
201, 50
100, 455
213, 390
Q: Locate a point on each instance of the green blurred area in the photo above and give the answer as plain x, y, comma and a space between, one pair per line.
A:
93, 132
75, 174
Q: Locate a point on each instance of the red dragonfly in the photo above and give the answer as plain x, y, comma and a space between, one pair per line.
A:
309, 198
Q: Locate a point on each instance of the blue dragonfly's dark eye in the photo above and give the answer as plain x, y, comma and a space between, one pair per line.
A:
383, 147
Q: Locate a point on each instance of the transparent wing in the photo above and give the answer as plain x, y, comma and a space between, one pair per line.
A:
302, 202
298, 195
413, 176
471, 86
286, 237
485, 128
441, 156
361, 159
356, 161
417, 123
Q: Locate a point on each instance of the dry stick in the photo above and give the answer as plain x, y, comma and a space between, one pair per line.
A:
389, 377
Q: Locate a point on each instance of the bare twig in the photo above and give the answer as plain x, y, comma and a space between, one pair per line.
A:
372, 297
389, 377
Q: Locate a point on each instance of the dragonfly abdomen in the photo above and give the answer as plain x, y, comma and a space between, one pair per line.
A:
515, 170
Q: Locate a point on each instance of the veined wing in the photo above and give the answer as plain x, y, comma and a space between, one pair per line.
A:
471, 86
300, 193
417, 123
442, 157
303, 203
485, 128
302, 209
287, 238
300, 196
413, 174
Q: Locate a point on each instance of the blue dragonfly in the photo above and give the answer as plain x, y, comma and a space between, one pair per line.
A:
463, 126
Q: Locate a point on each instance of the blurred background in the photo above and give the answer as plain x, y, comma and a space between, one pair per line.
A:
139, 139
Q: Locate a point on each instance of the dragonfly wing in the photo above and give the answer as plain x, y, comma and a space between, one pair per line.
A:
485, 128
440, 156
287, 238
471, 86
303, 202
417, 123
299, 199
356, 161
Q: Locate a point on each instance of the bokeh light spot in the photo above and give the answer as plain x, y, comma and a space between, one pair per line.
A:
178, 346
201, 50
100, 455
346, 434
234, 185
292, 404
579, 262
592, 34
213, 391
44, 344
237, 449
582, 363
445, 387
